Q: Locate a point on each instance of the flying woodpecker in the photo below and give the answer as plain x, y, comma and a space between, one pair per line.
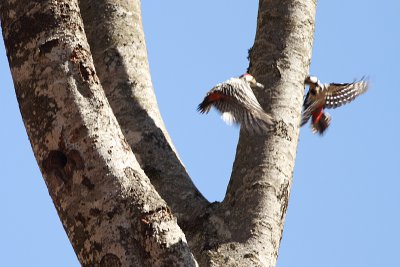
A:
236, 101
328, 95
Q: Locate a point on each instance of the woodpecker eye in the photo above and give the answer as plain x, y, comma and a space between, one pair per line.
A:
313, 91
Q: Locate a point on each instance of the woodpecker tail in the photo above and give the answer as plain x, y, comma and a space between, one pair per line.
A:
211, 98
205, 106
321, 124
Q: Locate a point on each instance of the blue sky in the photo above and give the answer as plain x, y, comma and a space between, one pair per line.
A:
343, 209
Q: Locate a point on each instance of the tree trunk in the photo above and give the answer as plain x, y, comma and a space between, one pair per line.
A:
249, 221
112, 214
83, 137
263, 169
115, 34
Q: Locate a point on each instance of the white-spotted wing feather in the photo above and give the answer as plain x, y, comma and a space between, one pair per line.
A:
338, 94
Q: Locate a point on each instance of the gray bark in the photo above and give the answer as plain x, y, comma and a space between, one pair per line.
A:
248, 224
111, 212
115, 34
102, 191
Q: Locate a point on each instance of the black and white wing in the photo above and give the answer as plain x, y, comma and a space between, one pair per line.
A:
338, 94
311, 103
238, 104
308, 108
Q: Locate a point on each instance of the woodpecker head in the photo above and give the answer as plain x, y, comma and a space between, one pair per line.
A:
311, 80
314, 84
251, 80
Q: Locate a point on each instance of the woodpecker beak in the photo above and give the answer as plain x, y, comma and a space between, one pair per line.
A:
259, 85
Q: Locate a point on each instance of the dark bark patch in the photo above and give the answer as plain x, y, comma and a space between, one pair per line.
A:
113, 59
94, 212
79, 134
114, 211
249, 255
156, 139
54, 164
81, 59
211, 243
160, 214
48, 46
152, 172
80, 236
55, 159
86, 72
97, 246
260, 186
282, 130
26, 28
63, 165
283, 197
42, 107
86, 182
110, 260
74, 163
75, 159
249, 56
80, 218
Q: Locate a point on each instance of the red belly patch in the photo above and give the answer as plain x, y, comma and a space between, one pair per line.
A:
317, 114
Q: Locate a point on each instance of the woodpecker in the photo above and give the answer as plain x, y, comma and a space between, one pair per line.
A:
328, 95
236, 101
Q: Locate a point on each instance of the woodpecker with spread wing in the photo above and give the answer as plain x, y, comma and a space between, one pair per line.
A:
328, 95
236, 101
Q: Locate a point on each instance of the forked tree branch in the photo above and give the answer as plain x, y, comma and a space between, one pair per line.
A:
111, 212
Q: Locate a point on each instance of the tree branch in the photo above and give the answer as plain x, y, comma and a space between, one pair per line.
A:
110, 210
247, 226
112, 214
115, 33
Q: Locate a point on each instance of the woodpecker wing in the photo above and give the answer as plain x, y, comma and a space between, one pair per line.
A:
308, 108
238, 104
338, 94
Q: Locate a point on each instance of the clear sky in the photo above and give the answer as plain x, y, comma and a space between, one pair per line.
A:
344, 204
